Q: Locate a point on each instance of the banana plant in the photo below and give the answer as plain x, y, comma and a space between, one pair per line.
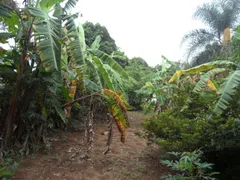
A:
11, 17
113, 75
158, 90
83, 61
54, 47
229, 88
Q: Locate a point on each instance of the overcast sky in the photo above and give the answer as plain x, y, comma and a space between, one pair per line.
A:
145, 28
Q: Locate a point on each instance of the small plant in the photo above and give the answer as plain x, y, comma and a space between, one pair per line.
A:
140, 133
8, 168
57, 157
189, 166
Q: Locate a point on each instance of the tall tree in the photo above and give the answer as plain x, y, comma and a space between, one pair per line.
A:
91, 31
138, 61
120, 58
217, 16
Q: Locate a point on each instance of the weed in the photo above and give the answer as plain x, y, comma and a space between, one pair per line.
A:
190, 166
56, 157
8, 168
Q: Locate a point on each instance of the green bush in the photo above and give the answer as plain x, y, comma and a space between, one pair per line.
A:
191, 124
8, 168
189, 165
212, 133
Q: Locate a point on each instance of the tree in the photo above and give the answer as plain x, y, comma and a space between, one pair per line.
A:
217, 16
120, 58
156, 90
91, 31
210, 52
138, 61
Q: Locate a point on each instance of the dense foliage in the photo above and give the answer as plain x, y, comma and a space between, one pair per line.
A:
91, 31
57, 71
189, 166
48, 71
202, 111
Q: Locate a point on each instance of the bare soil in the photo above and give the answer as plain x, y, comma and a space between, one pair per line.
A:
132, 160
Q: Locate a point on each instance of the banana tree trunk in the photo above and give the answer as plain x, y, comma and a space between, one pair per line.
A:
13, 103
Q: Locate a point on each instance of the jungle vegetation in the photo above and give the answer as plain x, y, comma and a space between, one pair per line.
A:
57, 70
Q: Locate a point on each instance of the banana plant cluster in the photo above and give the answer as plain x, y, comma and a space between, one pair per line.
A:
158, 91
228, 88
50, 45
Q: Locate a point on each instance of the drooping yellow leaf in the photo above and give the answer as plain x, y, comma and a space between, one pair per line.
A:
117, 108
193, 70
72, 93
73, 89
199, 68
116, 97
121, 129
211, 85
177, 75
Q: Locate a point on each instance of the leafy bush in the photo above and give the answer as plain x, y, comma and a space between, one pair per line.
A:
175, 133
190, 165
194, 125
212, 133
8, 168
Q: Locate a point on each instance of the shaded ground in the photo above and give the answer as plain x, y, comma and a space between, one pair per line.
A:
132, 160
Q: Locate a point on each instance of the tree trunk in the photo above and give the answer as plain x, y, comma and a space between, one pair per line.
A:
13, 103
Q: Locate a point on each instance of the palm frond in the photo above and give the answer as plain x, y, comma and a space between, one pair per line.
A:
219, 15
230, 13
197, 39
210, 52
209, 14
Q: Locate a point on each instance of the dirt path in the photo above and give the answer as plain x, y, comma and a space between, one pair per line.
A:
132, 160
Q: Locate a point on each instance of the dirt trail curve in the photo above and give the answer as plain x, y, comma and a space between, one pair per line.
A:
132, 160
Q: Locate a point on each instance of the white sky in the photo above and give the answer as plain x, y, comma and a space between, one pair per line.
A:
145, 28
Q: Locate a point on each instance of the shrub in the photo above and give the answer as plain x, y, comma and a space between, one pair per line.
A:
8, 168
194, 125
189, 165
212, 133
